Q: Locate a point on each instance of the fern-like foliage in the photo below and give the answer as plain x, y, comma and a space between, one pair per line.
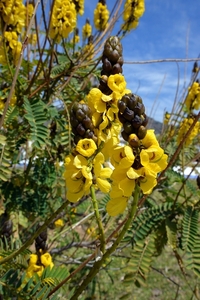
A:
7, 247
15, 283
36, 117
189, 228
148, 221
193, 257
171, 230
5, 171
139, 264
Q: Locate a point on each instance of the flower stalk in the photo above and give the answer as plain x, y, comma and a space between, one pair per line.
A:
98, 218
107, 254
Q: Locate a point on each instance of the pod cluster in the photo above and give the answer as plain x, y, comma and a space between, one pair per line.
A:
81, 122
6, 227
132, 115
40, 241
112, 62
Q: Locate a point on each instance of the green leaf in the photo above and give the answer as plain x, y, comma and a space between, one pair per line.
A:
189, 228
36, 117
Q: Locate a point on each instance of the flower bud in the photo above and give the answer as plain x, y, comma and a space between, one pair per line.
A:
133, 140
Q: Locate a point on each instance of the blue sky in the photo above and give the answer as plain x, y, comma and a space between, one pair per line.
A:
168, 29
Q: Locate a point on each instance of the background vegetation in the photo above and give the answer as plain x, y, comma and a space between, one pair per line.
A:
43, 71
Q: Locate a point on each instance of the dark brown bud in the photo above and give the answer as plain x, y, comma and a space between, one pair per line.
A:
80, 129
133, 140
116, 69
121, 106
128, 128
198, 181
142, 131
87, 122
139, 108
121, 118
80, 115
137, 121
125, 135
128, 114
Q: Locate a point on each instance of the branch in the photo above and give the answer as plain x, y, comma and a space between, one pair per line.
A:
153, 61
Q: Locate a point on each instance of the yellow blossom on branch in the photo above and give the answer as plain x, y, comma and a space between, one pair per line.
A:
13, 13
63, 19
193, 98
101, 174
38, 264
78, 177
101, 15
133, 10
86, 147
79, 5
184, 127
86, 30
59, 223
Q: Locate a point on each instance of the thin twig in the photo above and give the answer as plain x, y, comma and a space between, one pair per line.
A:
153, 61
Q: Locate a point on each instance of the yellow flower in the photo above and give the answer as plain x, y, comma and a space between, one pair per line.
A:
167, 117
86, 30
101, 16
29, 9
117, 83
147, 180
133, 10
101, 173
88, 50
16, 52
117, 204
79, 5
78, 177
59, 223
193, 98
122, 156
33, 267
91, 231
86, 147
184, 127
152, 157
13, 13
11, 37
46, 260
63, 19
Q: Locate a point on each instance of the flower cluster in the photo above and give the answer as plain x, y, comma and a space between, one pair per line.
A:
86, 30
184, 127
79, 5
104, 107
101, 15
13, 14
63, 19
97, 123
136, 163
84, 170
193, 98
133, 10
37, 264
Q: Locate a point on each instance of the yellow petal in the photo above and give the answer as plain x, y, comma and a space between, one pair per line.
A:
103, 185
80, 161
105, 173
74, 197
116, 206
127, 186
